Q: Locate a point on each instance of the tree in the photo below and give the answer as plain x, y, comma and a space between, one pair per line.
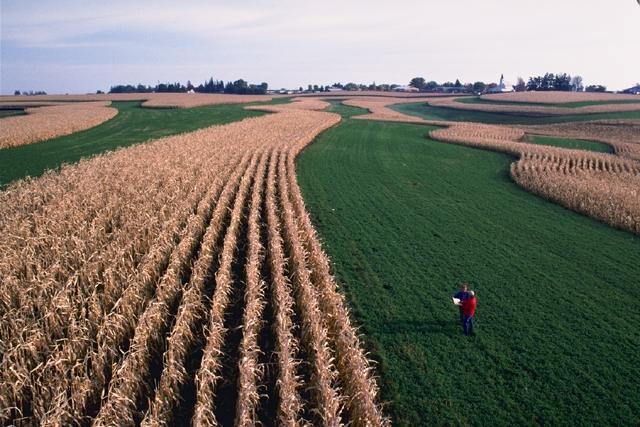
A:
350, 86
17, 92
520, 86
562, 82
533, 83
479, 87
457, 83
431, 85
417, 82
546, 82
549, 81
596, 88
576, 84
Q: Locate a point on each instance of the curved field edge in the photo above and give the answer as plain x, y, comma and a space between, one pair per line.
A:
10, 112
405, 218
54, 121
425, 111
576, 104
132, 125
570, 143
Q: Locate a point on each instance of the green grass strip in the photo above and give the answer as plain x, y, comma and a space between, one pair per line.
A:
405, 219
11, 112
345, 111
428, 112
574, 144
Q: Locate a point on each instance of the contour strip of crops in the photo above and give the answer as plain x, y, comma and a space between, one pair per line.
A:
119, 325
608, 186
249, 368
37, 348
314, 331
354, 368
192, 311
128, 348
58, 370
51, 121
288, 384
131, 379
209, 372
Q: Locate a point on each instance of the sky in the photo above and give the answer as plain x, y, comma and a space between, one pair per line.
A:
80, 46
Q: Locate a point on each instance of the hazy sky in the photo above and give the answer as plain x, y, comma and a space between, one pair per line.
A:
79, 46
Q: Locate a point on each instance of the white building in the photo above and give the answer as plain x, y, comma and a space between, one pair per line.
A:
406, 89
501, 88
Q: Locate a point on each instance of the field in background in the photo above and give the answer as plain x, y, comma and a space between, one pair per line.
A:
576, 104
405, 219
132, 125
428, 112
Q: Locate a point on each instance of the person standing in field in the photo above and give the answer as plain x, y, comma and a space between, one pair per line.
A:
462, 295
468, 312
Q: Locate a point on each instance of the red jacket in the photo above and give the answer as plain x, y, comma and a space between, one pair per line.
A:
469, 306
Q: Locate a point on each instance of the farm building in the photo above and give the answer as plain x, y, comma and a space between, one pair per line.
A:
501, 88
635, 90
406, 89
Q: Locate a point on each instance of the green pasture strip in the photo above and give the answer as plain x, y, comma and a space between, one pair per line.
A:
428, 112
11, 112
345, 111
574, 144
478, 100
405, 219
132, 125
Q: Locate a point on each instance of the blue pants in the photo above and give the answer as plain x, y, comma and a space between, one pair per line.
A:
467, 325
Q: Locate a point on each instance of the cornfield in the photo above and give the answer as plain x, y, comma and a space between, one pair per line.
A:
622, 135
161, 100
178, 280
558, 97
51, 121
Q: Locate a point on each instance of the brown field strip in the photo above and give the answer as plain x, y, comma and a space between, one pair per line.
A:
178, 280
159, 100
51, 121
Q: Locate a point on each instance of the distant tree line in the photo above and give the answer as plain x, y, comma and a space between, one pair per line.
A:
559, 82
29, 93
546, 82
211, 86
